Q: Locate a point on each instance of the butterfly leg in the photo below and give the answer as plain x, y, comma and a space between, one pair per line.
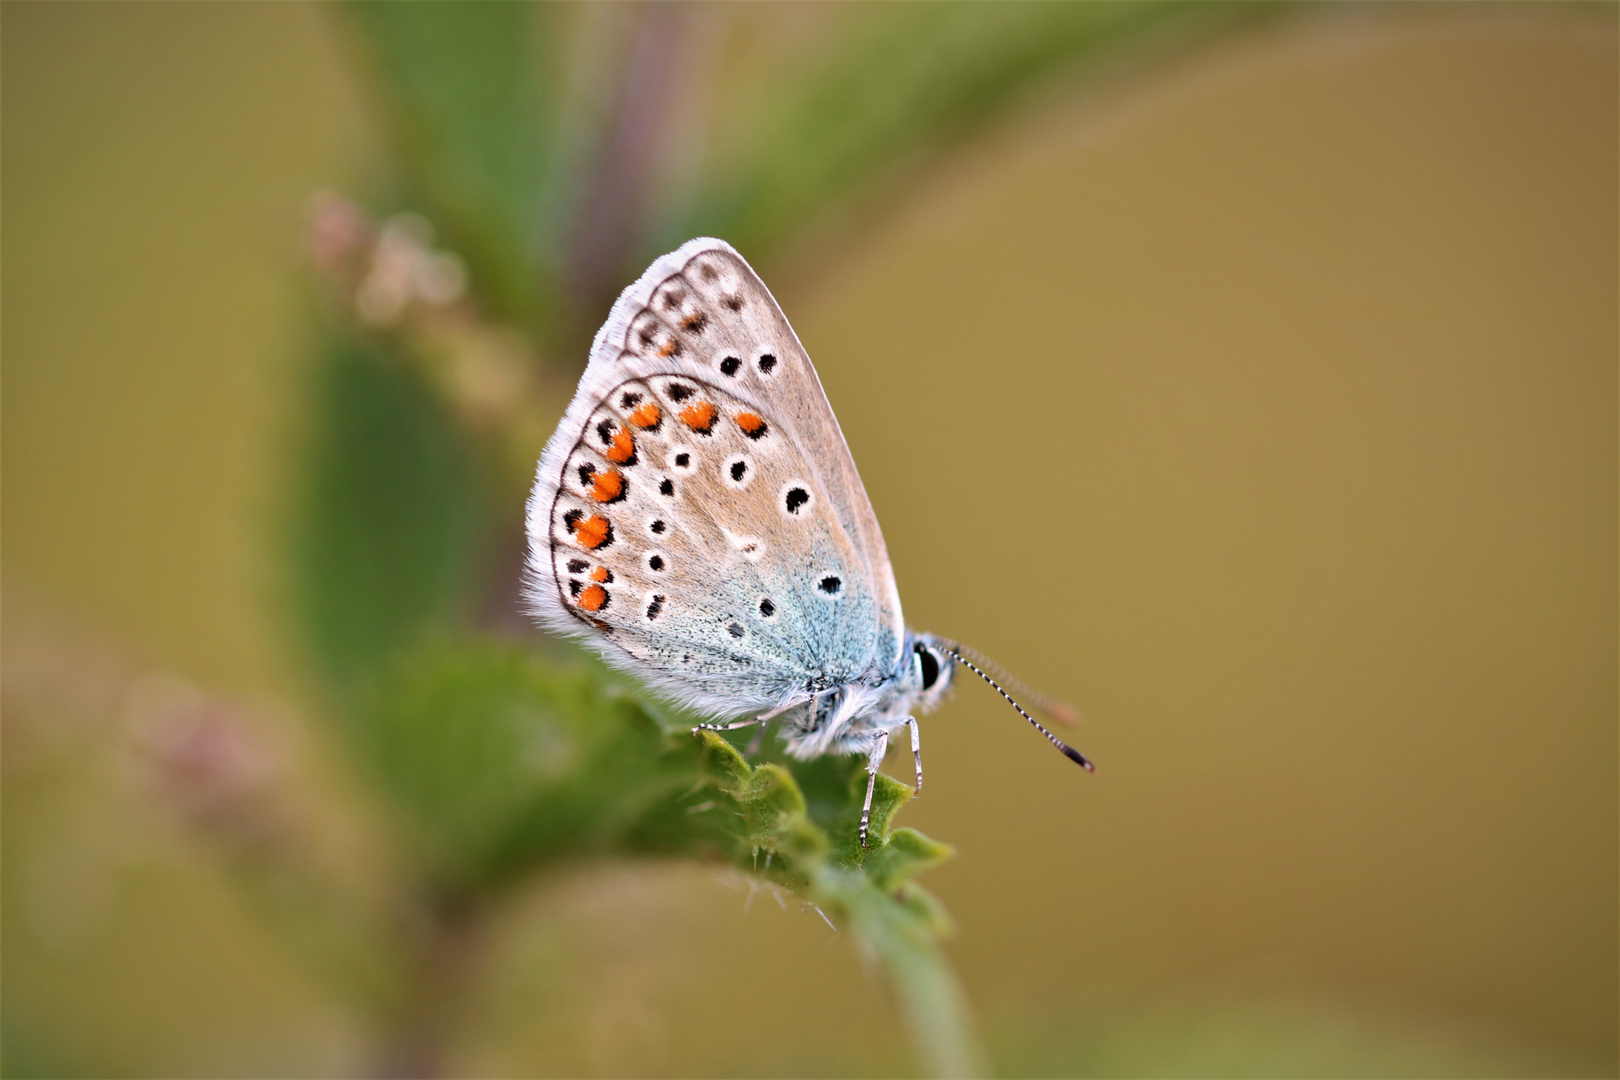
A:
916, 749
873, 764
754, 743
725, 727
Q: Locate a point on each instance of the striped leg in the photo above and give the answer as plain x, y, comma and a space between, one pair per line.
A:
873, 764
725, 727
916, 749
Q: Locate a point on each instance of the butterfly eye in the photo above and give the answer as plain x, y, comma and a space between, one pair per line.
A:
929, 663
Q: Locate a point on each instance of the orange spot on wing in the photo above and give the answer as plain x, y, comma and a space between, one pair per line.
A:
601, 573
592, 597
623, 448
749, 422
667, 347
607, 486
699, 416
646, 416
593, 531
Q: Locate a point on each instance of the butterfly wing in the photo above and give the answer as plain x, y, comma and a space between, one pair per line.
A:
697, 517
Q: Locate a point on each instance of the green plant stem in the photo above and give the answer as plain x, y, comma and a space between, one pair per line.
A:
938, 1016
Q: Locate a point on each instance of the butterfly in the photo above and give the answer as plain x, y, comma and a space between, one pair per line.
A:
698, 521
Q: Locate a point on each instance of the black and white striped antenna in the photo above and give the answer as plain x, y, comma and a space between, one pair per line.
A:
1064, 714
1068, 751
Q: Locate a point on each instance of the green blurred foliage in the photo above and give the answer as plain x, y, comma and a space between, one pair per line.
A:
468, 115
899, 88
497, 762
505, 122
389, 514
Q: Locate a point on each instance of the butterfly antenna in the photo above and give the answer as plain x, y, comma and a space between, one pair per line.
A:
1068, 751
1057, 710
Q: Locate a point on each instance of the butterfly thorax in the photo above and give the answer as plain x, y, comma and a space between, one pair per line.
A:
847, 718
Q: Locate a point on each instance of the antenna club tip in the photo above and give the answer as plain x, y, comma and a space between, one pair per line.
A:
1078, 758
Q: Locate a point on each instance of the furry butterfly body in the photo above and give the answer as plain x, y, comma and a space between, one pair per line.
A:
697, 519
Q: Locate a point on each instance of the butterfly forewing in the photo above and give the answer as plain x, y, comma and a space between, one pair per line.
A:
697, 511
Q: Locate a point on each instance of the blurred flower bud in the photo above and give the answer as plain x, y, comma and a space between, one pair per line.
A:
338, 234
405, 269
209, 761
441, 278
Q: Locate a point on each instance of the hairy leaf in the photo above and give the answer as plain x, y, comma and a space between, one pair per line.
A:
499, 764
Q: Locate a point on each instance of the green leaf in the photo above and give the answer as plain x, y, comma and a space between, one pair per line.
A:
467, 103
866, 890
903, 85
499, 763
386, 520
496, 760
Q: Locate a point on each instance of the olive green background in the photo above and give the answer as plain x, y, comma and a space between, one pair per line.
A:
1262, 402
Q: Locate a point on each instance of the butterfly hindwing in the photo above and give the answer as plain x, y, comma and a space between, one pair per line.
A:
697, 516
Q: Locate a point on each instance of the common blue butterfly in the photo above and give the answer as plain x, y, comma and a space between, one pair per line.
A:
697, 519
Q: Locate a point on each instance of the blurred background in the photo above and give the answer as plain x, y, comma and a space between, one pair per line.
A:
1287, 336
